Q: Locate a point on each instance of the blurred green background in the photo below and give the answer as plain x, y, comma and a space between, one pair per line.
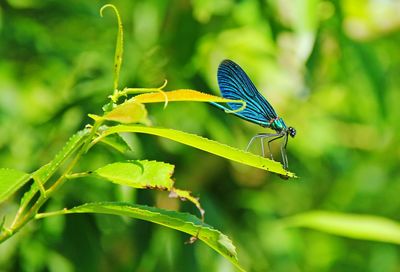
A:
329, 68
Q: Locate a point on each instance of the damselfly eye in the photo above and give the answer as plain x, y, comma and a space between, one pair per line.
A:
292, 131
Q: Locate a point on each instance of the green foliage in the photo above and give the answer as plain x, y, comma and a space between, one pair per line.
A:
139, 174
329, 68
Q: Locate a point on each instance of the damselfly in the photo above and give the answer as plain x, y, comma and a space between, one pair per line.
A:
235, 84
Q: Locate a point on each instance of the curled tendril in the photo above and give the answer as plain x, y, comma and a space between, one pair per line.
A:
119, 44
163, 93
108, 6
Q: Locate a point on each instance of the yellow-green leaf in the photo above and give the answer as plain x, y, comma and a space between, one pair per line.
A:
139, 174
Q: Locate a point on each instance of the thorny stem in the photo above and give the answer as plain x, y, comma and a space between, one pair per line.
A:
20, 222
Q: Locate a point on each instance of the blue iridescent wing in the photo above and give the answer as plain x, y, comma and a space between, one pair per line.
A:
235, 84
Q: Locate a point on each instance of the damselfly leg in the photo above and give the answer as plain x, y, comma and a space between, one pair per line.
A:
274, 136
262, 137
269, 143
283, 152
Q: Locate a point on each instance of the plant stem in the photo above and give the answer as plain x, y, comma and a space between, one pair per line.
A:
47, 214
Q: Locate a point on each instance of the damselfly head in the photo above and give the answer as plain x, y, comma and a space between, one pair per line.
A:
292, 131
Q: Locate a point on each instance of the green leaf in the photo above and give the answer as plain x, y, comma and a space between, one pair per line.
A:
205, 144
139, 174
143, 174
176, 220
117, 142
128, 112
10, 181
364, 227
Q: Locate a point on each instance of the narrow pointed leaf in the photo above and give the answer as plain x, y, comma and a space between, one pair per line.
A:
10, 181
115, 141
364, 227
176, 220
207, 145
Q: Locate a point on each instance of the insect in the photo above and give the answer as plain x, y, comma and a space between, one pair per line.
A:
235, 84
